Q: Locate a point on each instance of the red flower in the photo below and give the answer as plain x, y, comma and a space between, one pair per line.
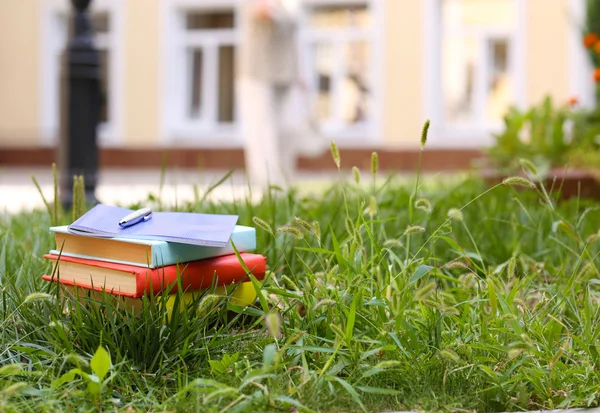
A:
597, 75
572, 101
590, 39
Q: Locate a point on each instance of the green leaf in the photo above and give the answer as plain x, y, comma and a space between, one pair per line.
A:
352, 317
344, 265
420, 273
316, 349
100, 363
229, 360
349, 389
283, 293
452, 243
215, 185
255, 283
93, 386
68, 377
289, 401
217, 366
254, 312
378, 390
259, 293
492, 297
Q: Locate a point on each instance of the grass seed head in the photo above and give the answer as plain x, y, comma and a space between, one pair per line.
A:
393, 243
356, 173
349, 226
518, 181
335, 153
38, 297
586, 271
455, 214
303, 224
76, 360
425, 291
372, 209
287, 229
261, 223
424, 133
374, 163
450, 311
449, 356
388, 364
513, 353
328, 302
456, 265
273, 323
9, 391
287, 281
469, 280
338, 330
317, 229
414, 229
208, 302
593, 237
424, 205
511, 268
528, 165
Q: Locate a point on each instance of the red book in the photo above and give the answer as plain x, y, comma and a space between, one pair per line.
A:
133, 281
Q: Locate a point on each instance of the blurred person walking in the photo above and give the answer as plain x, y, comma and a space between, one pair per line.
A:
275, 114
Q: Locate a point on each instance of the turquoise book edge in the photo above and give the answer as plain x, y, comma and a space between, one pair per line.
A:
169, 253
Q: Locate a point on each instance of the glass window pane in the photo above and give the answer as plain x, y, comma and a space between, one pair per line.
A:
459, 67
226, 96
323, 60
476, 78
356, 88
210, 20
339, 16
195, 62
500, 85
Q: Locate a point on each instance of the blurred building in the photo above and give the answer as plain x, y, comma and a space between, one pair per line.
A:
376, 69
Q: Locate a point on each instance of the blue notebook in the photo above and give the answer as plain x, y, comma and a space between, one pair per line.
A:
210, 230
146, 253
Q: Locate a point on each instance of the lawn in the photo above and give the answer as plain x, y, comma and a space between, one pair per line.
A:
456, 298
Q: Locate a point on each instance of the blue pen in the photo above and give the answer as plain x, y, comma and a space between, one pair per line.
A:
141, 215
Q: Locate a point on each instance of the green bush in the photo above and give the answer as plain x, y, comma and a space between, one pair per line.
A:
551, 135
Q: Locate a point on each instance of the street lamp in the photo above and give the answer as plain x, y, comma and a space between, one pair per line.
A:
78, 152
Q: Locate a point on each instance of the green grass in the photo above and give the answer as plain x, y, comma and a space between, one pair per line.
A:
494, 309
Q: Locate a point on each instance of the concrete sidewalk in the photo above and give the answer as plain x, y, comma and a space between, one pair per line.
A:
119, 186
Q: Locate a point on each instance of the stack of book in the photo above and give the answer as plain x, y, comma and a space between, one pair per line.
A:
130, 268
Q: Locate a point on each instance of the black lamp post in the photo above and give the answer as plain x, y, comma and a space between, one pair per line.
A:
79, 149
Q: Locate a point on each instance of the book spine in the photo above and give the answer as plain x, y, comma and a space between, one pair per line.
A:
99, 288
198, 274
173, 253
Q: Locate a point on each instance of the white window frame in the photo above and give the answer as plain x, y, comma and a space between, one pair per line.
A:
176, 126
581, 84
51, 43
479, 133
368, 133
